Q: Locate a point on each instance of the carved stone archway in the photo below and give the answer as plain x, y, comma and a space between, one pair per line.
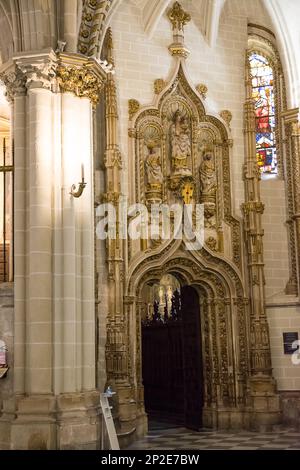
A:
176, 143
225, 331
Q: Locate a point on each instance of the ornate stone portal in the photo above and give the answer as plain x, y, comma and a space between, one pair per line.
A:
181, 155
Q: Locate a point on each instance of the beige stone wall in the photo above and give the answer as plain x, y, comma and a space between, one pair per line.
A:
284, 318
276, 237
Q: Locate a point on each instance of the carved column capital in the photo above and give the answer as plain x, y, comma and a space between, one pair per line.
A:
81, 76
55, 72
14, 81
39, 70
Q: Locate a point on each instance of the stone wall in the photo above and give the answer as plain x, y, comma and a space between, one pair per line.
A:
284, 318
290, 401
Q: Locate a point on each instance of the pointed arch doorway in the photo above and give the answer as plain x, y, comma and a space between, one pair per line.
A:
172, 367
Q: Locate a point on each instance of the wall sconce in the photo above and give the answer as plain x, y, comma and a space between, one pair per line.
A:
78, 192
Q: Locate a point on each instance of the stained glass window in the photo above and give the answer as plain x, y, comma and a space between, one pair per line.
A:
263, 95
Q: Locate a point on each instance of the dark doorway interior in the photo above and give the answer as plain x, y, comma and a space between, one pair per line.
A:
172, 362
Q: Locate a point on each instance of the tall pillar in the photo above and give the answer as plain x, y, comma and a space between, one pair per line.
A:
19, 146
117, 347
38, 360
54, 370
264, 400
292, 142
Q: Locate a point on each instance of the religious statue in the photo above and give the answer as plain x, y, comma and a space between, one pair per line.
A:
180, 144
208, 179
153, 166
154, 176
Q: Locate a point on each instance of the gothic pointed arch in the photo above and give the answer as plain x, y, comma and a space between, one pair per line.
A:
179, 108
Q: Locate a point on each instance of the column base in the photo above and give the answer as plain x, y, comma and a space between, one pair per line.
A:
42, 422
265, 403
226, 418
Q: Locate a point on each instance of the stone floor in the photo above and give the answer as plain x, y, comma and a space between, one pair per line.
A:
164, 437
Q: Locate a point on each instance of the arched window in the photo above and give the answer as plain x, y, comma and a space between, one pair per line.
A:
263, 94
268, 91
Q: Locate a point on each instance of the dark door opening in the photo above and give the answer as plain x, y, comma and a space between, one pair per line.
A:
172, 361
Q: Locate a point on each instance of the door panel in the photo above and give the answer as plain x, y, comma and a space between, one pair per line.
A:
172, 364
192, 358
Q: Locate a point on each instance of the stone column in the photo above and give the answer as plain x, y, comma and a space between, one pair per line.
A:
70, 8
19, 145
265, 401
118, 360
38, 370
54, 246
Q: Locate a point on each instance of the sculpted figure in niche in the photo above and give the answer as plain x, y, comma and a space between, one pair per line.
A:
180, 144
153, 166
208, 178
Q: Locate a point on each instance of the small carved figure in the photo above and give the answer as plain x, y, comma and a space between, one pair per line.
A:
208, 179
180, 143
153, 166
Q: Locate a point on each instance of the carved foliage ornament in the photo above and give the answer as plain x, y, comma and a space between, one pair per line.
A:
133, 107
93, 19
55, 72
227, 116
14, 82
202, 89
80, 81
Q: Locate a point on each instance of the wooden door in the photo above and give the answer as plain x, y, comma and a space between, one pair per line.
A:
172, 365
192, 358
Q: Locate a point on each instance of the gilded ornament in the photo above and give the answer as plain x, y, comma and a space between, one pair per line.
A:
202, 90
80, 81
187, 191
133, 107
159, 85
178, 17
226, 116
179, 50
212, 244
